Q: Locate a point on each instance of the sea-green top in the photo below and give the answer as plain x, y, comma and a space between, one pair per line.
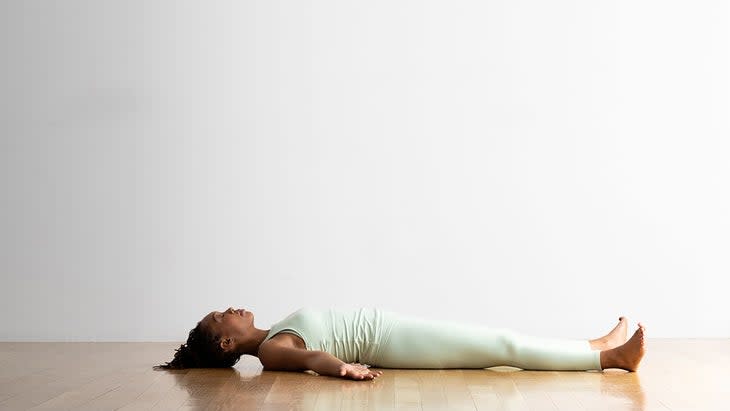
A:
354, 335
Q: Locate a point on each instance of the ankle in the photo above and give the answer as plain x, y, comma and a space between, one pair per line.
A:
596, 344
608, 358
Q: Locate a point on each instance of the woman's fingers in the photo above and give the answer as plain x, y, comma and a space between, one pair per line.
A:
359, 372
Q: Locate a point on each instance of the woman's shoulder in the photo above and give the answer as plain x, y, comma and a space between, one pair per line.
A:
285, 339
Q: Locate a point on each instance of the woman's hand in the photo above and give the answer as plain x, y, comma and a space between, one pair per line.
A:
277, 357
355, 371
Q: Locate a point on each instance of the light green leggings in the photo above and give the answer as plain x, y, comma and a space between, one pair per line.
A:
420, 343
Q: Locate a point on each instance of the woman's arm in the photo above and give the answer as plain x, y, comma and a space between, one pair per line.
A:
276, 357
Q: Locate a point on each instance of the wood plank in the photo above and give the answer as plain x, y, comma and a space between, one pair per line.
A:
676, 374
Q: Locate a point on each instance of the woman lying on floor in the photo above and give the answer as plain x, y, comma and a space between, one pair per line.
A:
341, 343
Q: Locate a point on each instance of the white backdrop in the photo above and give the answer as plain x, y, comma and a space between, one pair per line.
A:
546, 166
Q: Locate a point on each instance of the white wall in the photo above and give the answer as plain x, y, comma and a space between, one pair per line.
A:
546, 166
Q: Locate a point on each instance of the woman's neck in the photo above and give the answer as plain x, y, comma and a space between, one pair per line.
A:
251, 347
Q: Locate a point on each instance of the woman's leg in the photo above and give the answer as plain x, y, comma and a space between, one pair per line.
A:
420, 343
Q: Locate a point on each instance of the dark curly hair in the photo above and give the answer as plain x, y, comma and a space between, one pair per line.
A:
202, 350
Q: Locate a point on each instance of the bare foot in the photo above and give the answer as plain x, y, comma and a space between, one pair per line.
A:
614, 338
627, 356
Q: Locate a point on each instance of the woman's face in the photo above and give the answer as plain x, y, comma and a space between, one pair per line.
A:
230, 323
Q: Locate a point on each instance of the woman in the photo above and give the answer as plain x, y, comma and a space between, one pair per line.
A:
334, 342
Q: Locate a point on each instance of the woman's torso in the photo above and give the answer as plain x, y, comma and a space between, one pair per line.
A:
353, 335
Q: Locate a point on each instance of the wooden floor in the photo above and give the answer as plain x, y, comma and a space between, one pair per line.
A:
675, 375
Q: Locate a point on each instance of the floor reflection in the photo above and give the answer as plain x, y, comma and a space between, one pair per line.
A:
615, 390
248, 387
251, 388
